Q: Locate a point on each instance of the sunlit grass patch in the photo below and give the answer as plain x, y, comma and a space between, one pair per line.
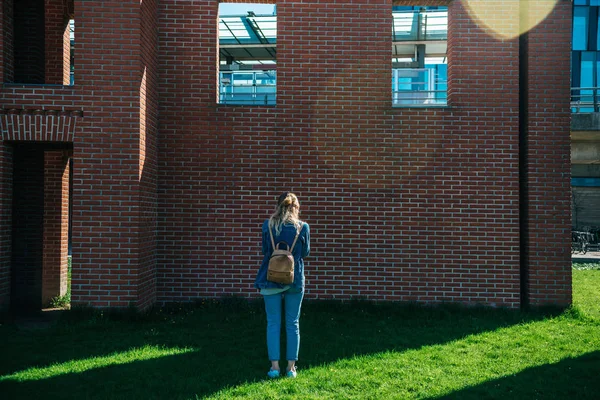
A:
78, 366
443, 369
586, 289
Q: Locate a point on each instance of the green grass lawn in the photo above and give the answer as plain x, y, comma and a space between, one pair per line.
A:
354, 350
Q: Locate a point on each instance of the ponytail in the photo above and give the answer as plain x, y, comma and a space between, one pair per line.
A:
287, 211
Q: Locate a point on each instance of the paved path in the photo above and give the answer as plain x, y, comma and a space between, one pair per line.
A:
590, 256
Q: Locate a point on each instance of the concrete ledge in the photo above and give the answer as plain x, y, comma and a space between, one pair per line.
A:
585, 122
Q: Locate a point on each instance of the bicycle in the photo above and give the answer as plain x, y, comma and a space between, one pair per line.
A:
580, 242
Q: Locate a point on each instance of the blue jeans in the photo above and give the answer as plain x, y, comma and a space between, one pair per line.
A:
293, 302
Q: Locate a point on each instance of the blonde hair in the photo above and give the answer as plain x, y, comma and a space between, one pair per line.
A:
287, 211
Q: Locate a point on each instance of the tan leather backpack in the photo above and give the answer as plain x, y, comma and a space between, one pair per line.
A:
281, 263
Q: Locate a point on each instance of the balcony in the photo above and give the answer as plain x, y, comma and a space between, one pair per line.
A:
248, 87
585, 100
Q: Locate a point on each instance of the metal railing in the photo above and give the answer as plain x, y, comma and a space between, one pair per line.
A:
585, 100
253, 99
419, 98
418, 87
248, 87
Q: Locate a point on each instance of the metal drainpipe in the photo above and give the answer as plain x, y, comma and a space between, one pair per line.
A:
523, 173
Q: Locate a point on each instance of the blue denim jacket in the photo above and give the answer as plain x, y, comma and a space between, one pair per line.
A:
301, 250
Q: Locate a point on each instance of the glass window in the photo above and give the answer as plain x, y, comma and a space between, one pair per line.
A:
581, 2
588, 61
441, 79
575, 62
596, 72
586, 77
597, 32
589, 182
72, 53
247, 54
580, 28
419, 63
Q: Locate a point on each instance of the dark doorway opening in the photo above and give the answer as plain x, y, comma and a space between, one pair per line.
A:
40, 224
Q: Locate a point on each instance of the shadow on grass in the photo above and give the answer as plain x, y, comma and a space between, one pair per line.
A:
226, 342
572, 378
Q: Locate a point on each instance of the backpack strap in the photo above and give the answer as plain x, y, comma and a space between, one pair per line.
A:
293, 244
296, 238
272, 241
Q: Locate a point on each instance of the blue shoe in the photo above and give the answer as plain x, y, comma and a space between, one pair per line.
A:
291, 374
273, 373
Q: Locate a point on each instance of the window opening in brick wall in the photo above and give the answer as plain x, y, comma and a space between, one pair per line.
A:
71, 54
247, 54
419, 62
38, 40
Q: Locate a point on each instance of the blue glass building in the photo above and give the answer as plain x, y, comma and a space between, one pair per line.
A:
585, 53
585, 132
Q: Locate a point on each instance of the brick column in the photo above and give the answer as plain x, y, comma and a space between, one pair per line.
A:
148, 153
483, 91
58, 47
547, 146
5, 223
114, 185
6, 41
56, 224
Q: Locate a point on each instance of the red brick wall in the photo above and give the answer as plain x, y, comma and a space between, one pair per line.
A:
548, 155
416, 204
405, 204
185, 235
56, 224
483, 87
5, 223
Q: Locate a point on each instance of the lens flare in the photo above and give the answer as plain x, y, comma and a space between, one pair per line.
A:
508, 19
